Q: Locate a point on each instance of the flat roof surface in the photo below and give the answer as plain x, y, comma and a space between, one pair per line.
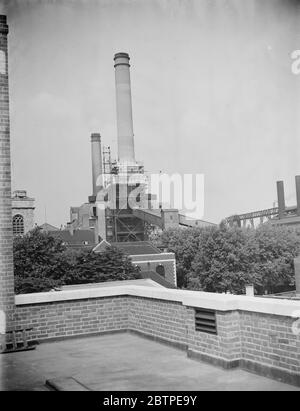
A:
122, 361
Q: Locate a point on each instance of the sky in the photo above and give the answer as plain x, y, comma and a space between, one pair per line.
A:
212, 88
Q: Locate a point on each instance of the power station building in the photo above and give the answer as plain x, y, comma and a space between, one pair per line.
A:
109, 211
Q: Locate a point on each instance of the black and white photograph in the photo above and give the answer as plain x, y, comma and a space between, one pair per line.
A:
149, 198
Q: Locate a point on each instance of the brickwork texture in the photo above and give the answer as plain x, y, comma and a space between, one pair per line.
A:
263, 343
6, 248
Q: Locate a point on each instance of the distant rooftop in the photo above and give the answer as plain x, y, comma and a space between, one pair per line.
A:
20, 195
136, 247
77, 238
48, 227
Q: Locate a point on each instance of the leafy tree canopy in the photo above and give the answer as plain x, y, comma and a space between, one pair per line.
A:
221, 259
43, 263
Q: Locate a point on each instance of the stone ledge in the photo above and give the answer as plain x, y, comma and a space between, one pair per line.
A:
218, 302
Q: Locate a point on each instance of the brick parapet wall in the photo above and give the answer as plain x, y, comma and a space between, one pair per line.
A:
159, 318
7, 297
74, 317
269, 339
260, 341
226, 344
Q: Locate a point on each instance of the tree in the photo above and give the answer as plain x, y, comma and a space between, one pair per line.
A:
110, 265
221, 259
184, 243
43, 263
274, 249
39, 262
222, 262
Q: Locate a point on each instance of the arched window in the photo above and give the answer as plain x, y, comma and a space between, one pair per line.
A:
18, 225
160, 269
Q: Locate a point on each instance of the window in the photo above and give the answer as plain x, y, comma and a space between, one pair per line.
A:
18, 225
160, 269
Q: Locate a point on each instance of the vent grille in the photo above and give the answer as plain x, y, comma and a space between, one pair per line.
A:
205, 321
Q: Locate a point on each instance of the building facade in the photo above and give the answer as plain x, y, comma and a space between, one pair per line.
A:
22, 212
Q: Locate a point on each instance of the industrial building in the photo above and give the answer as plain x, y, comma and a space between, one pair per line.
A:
280, 215
108, 211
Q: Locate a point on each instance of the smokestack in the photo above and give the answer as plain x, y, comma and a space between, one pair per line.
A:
281, 200
124, 109
297, 178
96, 162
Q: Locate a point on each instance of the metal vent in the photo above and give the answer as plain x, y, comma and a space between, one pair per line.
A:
205, 321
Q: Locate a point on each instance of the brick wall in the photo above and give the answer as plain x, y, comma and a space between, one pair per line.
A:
151, 261
158, 318
262, 342
6, 248
70, 318
226, 345
269, 339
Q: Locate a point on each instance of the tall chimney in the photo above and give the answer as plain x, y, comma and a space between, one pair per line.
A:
96, 162
297, 178
281, 200
7, 296
124, 109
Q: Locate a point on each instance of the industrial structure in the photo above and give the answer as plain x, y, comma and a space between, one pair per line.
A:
108, 211
281, 215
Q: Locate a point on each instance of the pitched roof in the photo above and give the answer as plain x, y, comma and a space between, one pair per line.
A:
136, 247
100, 247
48, 227
154, 276
78, 238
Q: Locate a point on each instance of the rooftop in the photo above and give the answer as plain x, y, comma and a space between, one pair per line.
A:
137, 247
122, 362
77, 238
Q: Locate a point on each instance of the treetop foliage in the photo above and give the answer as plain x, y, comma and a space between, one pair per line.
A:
221, 259
43, 263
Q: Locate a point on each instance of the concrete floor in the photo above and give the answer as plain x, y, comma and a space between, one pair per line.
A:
122, 362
